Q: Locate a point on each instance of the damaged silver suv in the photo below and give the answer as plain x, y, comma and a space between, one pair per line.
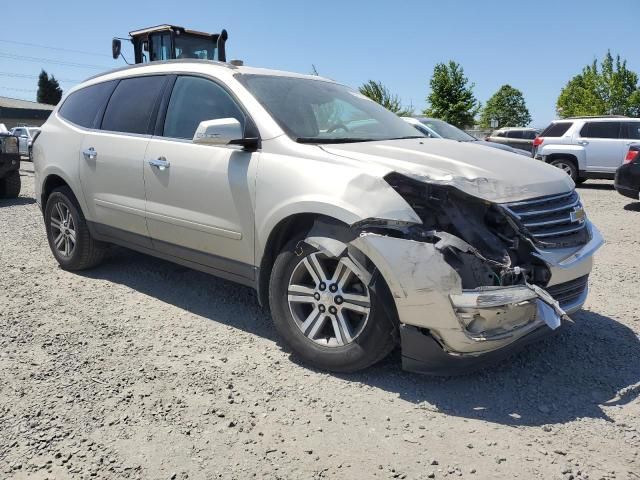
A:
356, 232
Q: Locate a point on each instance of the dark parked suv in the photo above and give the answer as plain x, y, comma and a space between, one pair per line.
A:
627, 180
514, 137
9, 166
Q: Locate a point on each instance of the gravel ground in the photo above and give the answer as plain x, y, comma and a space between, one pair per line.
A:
144, 369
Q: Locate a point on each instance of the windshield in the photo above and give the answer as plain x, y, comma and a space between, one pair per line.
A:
193, 46
316, 111
446, 130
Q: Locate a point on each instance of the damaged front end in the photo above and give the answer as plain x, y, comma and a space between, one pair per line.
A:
470, 283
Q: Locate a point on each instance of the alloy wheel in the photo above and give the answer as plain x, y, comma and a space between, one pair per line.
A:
328, 300
565, 167
63, 229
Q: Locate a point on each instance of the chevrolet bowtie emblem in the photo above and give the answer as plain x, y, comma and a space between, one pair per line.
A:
578, 215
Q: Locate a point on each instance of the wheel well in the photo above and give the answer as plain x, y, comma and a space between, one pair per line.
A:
564, 156
50, 184
283, 232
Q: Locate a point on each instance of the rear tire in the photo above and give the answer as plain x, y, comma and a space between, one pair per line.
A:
68, 234
10, 185
345, 339
568, 166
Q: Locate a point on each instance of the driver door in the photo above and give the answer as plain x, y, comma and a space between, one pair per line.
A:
199, 198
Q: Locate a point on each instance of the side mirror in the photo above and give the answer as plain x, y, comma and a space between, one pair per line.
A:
223, 131
116, 48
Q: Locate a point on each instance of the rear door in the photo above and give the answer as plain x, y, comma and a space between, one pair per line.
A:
112, 158
602, 144
630, 135
528, 136
516, 139
199, 203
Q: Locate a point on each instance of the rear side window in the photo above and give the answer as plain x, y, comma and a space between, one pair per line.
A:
194, 100
556, 129
514, 134
529, 134
132, 104
82, 106
632, 131
601, 130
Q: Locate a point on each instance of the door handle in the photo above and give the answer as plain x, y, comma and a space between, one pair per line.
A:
161, 163
583, 142
90, 153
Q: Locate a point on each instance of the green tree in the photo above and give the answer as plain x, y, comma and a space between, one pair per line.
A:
451, 98
49, 90
508, 107
377, 92
606, 89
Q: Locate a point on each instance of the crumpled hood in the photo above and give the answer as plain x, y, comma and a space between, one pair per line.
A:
484, 172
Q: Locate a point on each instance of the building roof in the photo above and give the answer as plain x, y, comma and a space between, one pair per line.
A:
6, 102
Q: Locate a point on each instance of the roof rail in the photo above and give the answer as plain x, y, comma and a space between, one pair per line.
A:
163, 62
594, 116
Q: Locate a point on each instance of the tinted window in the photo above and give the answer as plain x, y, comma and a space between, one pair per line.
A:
556, 129
500, 134
600, 130
132, 104
82, 106
514, 134
633, 131
529, 134
196, 99
445, 130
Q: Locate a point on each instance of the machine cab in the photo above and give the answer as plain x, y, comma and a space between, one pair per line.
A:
166, 42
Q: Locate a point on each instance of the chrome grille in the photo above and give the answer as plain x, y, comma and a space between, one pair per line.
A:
557, 220
569, 292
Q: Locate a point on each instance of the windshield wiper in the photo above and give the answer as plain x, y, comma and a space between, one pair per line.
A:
407, 137
334, 140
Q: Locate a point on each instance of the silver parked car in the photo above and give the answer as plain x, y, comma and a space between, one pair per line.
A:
436, 128
26, 136
356, 231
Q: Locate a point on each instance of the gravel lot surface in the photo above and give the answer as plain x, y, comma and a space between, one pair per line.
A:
144, 369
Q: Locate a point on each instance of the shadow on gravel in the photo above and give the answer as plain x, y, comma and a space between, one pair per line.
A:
596, 186
590, 364
10, 202
210, 297
632, 207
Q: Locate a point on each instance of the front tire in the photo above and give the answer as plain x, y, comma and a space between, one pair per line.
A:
326, 312
68, 234
10, 185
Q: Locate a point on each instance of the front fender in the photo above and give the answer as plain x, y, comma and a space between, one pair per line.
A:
288, 186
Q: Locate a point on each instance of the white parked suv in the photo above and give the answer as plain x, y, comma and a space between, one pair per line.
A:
588, 147
356, 231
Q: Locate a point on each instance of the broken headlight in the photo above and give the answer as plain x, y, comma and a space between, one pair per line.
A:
482, 224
